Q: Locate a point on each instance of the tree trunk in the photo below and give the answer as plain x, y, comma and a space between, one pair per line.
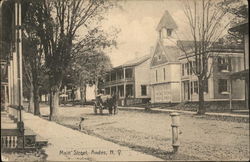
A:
83, 94
96, 86
36, 101
54, 104
201, 109
31, 100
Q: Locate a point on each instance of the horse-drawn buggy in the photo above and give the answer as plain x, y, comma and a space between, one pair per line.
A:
108, 102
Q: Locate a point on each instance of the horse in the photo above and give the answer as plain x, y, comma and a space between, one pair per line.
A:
106, 102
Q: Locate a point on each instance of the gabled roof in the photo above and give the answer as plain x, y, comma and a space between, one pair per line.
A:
188, 47
134, 62
170, 54
166, 21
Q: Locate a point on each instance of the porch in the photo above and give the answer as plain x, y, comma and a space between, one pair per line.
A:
14, 136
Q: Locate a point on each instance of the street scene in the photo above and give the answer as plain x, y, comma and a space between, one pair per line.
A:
129, 80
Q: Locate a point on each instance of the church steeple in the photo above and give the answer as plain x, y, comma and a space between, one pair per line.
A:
166, 28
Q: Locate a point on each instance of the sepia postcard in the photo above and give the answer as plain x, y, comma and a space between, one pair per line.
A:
124, 80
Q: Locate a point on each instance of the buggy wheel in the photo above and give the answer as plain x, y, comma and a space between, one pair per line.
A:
101, 109
115, 109
95, 108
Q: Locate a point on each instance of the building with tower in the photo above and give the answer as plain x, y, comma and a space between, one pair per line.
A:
164, 66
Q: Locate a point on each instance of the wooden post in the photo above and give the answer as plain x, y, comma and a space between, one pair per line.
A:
5, 97
230, 94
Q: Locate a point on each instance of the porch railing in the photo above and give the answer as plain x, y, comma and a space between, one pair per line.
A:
12, 130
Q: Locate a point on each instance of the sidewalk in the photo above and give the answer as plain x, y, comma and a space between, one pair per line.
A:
213, 114
65, 144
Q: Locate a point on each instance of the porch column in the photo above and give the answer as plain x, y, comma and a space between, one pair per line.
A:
17, 58
10, 83
124, 73
19, 52
247, 92
230, 94
116, 78
124, 85
133, 87
5, 97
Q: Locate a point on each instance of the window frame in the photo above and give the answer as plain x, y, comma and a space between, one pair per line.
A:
143, 89
223, 87
196, 87
224, 64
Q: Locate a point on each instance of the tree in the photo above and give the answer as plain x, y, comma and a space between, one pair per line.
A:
32, 68
90, 63
58, 25
207, 25
239, 10
97, 68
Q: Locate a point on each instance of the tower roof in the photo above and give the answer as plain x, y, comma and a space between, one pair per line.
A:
166, 21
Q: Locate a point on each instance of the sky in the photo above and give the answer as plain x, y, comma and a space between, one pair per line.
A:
137, 20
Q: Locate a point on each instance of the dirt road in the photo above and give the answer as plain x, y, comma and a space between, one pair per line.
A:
201, 139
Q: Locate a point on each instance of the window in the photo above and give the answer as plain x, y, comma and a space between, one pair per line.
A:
195, 86
192, 91
129, 90
194, 66
164, 73
143, 90
156, 77
187, 68
183, 68
222, 85
190, 68
169, 32
129, 73
121, 90
113, 76
205, 87
224, 63
159, 57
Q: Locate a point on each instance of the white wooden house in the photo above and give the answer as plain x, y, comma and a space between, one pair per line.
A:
165, 66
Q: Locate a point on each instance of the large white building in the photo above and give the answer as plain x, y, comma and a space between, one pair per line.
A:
165, 67
130, 80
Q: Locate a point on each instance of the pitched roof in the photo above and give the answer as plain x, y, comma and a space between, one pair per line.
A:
134, 62
185, 44
172, 53
166, 21
188, 47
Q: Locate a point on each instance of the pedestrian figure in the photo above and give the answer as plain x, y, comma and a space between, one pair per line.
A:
81, 123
